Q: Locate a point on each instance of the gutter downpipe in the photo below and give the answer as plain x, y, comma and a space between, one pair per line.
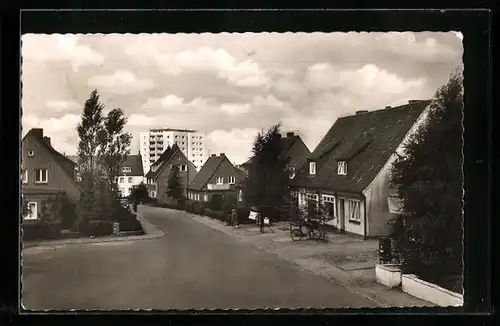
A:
364, 217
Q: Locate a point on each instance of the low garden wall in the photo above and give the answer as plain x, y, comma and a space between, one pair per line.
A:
430, 292
388, 274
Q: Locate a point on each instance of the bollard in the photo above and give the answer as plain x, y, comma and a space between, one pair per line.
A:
234, 218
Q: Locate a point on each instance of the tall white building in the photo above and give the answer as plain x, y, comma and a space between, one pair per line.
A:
155, 141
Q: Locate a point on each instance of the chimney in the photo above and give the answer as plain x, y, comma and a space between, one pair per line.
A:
213, 155
290, 134
361, 112
413, 101
388, 107
47, 140
37, 132
221, 154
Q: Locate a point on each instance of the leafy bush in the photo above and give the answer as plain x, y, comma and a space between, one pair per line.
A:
41, 230
215, 214
100, 228
215, 202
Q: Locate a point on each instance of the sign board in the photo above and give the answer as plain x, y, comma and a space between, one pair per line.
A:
253, 215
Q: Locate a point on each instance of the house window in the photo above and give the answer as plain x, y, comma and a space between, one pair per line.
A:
232, 180
198, 197
312, 167
312, 197
329, 204
183, 167
353, 210
31, 152
129, 179
219, 180
32, 211
295, 194
342, 168
205, 197
41, 176
24, 176
126, 169
129, 191
291, 172
122, 179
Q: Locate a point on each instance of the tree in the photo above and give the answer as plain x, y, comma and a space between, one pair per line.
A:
428, 231
88, 129
139, 193
102, 149
266, 185
174, 184
114, 145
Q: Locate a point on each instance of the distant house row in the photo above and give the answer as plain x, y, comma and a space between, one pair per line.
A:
348, 172
217, 177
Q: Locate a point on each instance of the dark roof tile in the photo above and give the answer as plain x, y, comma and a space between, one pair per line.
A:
366, 141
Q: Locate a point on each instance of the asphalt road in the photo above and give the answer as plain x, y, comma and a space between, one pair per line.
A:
192, 267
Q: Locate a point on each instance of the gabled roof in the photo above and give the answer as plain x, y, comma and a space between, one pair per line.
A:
58, 157
133, 161
365, 141
286, 145
135, 164
164, 159
208, 169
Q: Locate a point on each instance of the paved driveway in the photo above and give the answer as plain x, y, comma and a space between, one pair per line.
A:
192, 267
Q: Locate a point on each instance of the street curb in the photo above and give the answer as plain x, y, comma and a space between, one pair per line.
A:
150, 230
328, 272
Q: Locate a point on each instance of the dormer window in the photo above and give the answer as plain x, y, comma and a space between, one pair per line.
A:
312, 167
342, 168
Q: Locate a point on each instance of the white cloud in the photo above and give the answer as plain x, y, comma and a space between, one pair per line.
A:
62, 105
59, 48
235, 143
218, 61
366, 80
235, 108
165, 102
122, 81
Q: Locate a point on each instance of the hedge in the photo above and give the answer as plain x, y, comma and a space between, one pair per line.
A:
215, 214
41, 231
100, 228
179, 206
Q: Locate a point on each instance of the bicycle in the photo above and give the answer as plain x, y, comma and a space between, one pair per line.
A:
311, 230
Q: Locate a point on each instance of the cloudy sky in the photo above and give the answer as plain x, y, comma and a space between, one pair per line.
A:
228, 85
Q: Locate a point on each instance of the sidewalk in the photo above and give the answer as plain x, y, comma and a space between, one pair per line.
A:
150, 232
344, 260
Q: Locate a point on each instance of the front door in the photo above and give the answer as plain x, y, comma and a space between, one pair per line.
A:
341, 214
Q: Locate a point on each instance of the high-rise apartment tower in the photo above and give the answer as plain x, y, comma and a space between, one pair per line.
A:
155, 141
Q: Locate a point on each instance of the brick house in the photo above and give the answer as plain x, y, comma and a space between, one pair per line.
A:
157, 177
217, 177
293, 148
45, 173
349, 171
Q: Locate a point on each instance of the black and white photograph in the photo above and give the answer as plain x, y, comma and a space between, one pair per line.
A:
176, 171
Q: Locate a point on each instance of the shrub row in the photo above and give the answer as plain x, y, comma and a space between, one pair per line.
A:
215, 214
41, 230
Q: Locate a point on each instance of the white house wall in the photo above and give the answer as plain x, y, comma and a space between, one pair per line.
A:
376, 193
126, 186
